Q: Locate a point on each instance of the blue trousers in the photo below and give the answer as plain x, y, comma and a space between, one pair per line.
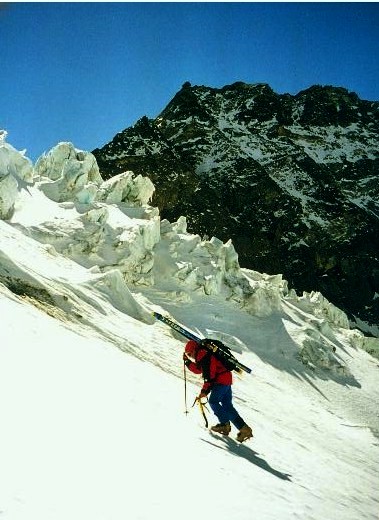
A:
220, 400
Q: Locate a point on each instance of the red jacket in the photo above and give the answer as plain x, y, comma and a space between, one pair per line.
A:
205, 363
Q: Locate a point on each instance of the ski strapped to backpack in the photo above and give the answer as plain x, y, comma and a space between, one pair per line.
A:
221, 351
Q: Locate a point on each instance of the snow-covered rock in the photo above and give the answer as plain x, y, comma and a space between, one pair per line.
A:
369, 344
125, 187
67, 174
16, 171
326, 309
8, 195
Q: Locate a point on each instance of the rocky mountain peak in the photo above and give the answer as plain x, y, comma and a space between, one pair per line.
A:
292, 179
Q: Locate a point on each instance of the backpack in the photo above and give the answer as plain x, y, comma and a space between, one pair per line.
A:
222, 353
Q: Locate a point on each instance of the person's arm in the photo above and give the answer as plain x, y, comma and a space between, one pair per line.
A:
206, 361
191, 365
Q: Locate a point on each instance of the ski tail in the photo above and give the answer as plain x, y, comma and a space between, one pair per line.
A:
221, 351
176, 326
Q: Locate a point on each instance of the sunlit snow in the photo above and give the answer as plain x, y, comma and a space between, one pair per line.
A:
93, 422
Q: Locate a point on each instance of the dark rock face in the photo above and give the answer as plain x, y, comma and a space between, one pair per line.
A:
293, 180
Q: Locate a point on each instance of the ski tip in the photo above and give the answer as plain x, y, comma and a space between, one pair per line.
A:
156, 316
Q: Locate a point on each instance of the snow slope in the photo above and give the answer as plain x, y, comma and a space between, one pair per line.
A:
93, 422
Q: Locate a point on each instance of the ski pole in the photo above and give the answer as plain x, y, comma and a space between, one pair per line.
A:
185, 388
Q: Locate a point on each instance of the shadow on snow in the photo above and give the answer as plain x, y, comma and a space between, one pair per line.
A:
241, 450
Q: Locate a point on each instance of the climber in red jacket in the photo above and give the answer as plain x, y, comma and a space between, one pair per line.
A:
218, 386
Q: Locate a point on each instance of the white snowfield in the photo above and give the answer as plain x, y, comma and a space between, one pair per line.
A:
92, 393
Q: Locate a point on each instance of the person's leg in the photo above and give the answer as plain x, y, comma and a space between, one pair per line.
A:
220, 400
228, 409
216, 400
245, 432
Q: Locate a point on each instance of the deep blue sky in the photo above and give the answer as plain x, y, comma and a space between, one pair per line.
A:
82, 72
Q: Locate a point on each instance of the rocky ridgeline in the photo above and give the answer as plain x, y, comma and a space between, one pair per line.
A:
292, 180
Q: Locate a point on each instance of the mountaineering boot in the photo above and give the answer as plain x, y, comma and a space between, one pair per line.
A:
245, 433
224, 429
